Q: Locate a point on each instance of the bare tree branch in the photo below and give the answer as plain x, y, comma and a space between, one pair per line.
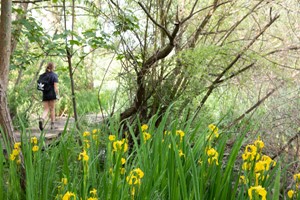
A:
292, 48
238, 23
256, 105
236, 73
33, 2
192, 42
286, 145
155, 22
194, 13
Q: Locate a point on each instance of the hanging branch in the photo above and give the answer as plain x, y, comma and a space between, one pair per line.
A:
256, 105
239, 22
286, 145
216, 81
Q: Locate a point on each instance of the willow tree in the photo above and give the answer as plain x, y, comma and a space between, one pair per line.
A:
155, 45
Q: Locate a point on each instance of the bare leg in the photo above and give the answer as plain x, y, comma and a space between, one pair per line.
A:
46, 110
52, 110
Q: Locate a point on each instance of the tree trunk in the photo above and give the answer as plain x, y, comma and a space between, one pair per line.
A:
69, 57
5, 51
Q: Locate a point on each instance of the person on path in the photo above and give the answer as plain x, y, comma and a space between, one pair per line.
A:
49, 96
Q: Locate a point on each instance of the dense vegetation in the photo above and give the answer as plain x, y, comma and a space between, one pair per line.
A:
200, 99
165, 163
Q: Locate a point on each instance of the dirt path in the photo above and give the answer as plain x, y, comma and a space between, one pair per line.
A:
52, 134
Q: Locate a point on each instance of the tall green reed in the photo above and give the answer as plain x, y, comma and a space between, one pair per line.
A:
178, 161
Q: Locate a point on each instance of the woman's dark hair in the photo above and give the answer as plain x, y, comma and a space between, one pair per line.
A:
50, 67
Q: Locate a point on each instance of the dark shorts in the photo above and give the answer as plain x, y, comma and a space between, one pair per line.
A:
50, 95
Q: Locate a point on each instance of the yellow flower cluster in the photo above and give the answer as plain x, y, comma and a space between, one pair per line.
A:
214, 129
83, 156
294, 193
181, 154
120, 145
61, 187
122, 169
212, 156
69, 195
258, 190
146, 136
87, 135
16, 152
87, 144
134, 180
135, 176
258, 164
252, 155
144, 127
34, 141
93, 192
179, 145
95, 134
179, 133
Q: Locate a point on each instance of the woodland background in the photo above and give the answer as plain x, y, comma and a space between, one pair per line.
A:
224, 62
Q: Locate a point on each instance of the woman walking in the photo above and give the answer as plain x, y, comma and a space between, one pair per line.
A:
50, 94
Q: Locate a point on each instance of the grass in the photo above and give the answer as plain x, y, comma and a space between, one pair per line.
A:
178, 161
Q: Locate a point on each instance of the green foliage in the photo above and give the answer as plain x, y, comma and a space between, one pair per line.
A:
126, 21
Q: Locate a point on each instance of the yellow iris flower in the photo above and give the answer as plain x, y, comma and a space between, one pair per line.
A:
35, 148
146, 136
290, 193
86, 133
120, 145
144, 127
212, 156
68, 196
112, 138
34, 140
258, 190
83, 155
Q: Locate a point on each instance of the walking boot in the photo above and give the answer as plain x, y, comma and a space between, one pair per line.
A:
41, 127
52, 126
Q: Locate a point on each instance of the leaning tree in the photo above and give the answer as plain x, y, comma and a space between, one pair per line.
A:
5, 50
